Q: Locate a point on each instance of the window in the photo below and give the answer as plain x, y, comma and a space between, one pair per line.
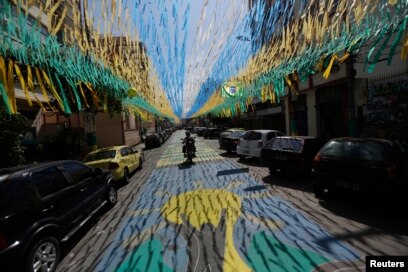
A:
252, 136
48, 181
367, 151
101, 155
270, 136
236, 134
129, 151
295, 145
77, 171
123, 152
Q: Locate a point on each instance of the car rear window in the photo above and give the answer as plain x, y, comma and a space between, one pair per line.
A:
101, 155
295, 145
236, 134
252, 136
367, 150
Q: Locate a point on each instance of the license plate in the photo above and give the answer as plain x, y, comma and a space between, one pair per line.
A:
281, 157
246, 152
348, 185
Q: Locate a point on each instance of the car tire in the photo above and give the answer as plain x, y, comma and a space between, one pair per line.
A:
126, 177
272, 170
112, 196
140, 163
319, 192
242, 157
43, 254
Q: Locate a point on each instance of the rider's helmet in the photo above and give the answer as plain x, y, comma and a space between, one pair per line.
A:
188, 133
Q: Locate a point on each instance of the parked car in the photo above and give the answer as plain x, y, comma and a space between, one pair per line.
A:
211, 133
162, 136
360, 165
153, 140
45, 204
197, 129
169, 131
294, 153
200, 131
227, 132
253, 141
120, 160
230, 141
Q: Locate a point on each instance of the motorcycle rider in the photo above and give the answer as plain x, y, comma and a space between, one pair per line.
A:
188, 137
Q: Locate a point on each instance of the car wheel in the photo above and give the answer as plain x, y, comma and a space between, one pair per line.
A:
126, 175
43, 255
319, 192
140, 163
242, 157
112, 196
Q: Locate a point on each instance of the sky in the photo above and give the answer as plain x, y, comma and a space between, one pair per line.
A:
184, 40
187, 43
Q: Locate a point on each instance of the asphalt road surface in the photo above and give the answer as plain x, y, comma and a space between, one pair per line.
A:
223, 214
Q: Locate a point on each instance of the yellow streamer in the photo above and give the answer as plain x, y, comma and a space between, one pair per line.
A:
83, 94
54, 92
23, 84
42, 88
10, 86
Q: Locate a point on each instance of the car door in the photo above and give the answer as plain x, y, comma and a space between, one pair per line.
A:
60, 200
124, 159
255, 138
133, 157
93, 187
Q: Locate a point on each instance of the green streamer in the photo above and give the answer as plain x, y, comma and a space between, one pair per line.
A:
5, 98
397, 39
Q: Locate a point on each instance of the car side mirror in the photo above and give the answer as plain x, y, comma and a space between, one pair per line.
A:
135, 151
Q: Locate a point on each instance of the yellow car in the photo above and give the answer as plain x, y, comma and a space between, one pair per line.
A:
120, 160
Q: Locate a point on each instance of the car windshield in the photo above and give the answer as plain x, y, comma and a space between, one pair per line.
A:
295, 145
367, 150
252, 136
101, 155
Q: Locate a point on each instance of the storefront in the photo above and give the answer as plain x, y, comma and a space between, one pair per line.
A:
332, 111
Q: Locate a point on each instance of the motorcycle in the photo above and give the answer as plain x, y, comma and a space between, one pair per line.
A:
190, 149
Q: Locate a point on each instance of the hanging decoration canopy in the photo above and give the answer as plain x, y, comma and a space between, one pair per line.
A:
183, 58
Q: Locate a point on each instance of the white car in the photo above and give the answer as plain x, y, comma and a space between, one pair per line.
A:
252, 142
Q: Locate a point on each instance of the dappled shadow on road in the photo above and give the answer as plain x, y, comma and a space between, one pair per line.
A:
289, 180
384, 214
186, 165
197, 218
83, 251
229, 154
254, 162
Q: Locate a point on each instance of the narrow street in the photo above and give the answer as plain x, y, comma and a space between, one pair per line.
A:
221, 214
